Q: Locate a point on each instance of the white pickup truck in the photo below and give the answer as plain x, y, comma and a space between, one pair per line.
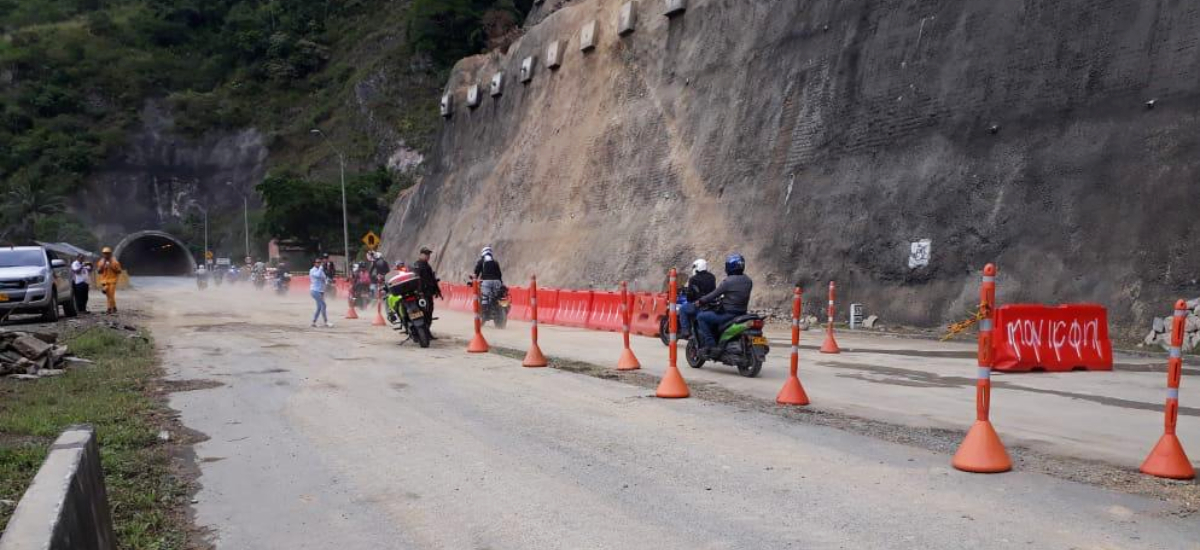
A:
32, 280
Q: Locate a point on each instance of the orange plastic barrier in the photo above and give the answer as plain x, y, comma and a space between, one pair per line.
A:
547, 305
574, 306
605, 312
519, 298
648, 312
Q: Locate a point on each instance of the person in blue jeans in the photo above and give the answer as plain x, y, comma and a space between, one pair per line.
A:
319, 280
733, 296
699, 284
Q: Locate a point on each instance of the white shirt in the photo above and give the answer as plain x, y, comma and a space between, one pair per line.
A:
80, 272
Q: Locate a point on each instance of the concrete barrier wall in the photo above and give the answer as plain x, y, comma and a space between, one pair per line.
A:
66, 506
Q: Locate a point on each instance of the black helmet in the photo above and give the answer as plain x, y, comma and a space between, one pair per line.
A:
735, 264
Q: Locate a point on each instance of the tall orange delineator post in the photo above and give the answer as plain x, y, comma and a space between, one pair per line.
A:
982, 451
379, 321
793, 392
350, 313
672, 385
478, 344
628, 360
1167, 459
830, 344
534, 357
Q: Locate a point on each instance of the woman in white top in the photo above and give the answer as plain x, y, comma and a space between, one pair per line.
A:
319, 279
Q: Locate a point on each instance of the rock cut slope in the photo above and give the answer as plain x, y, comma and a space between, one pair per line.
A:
822, 138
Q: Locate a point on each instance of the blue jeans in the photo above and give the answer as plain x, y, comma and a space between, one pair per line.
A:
686, 312
319, 297
710, 321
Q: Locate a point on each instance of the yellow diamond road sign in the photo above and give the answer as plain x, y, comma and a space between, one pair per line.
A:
371, 240
208, 255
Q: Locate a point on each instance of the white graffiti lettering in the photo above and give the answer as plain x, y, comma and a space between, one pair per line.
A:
1068, 338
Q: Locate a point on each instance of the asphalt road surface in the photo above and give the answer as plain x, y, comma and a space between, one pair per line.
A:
341, 438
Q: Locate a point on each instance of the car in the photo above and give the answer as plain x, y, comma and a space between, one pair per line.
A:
35, 280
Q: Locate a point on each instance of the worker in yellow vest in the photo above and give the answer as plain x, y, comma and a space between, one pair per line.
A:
108, 272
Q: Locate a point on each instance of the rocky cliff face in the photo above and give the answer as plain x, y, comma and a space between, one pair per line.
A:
161, 177
822, 139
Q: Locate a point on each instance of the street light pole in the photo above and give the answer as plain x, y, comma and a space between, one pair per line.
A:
246, 219
205, 260
345, 218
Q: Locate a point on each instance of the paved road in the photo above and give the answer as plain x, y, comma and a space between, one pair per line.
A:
339, 438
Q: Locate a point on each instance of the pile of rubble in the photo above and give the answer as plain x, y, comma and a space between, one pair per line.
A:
28, 355
1161, 332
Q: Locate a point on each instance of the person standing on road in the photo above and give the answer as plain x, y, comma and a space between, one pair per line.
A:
81, 274
108, 274
429, 283
319, 281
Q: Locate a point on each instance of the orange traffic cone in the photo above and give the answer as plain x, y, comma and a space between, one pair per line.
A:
672, 385
379, 320
793, 392
982, 451
534, 357
830, 344
477, 344
1167, 459
350, 313
628, 360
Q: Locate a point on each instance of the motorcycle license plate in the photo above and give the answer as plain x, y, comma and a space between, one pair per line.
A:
416, 314
3, 297
759, 341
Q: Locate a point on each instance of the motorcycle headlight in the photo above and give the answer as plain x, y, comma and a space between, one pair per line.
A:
35, 279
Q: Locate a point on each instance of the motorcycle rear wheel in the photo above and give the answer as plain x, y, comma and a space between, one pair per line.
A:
754, 365
501, 319
692, 354
422, 335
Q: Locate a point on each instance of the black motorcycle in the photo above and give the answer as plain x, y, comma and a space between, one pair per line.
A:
741, 344
494, 306
407, 310
282, 282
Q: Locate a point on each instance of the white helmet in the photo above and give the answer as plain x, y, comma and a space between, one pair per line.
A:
487, 250
699, 266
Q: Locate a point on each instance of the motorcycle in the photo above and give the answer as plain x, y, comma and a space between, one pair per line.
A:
741, 342
362, 294
282, 283
202, 281
258, 279
406, 308
494, 306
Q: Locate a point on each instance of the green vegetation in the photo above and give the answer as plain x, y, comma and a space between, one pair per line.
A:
75, 75
115, 396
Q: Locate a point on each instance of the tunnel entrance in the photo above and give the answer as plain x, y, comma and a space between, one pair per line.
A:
154, 253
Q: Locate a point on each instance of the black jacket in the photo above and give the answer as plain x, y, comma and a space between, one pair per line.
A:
733, 294
429, 280
379, 268
701, 284
488, 271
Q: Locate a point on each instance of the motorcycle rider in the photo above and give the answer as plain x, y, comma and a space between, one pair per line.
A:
700, 284
733, 297
487, 270
379, 270
429, 283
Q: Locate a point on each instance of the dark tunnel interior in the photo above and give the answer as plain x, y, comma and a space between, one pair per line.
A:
154, 255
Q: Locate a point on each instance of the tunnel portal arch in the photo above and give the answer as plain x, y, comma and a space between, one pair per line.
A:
154, 253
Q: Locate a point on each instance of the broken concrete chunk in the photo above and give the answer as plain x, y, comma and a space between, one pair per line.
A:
1193, 324
47, 337
870, 321
30, 347
1159, 326
23, 376
1150, 338
50, 372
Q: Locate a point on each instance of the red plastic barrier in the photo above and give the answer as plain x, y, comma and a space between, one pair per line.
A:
461, 298
648, 311
1056, 339
605, 312
573, 308
299, 284
519, 298
547, 305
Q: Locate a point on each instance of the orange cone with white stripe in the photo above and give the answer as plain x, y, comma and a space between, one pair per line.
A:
628, 360
534, 357
793, 391
478, 344
672, 385
981, 450
1168, 459
830, 344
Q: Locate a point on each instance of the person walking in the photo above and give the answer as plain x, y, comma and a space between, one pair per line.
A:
319, 281
108, 273
429, 283
81, 276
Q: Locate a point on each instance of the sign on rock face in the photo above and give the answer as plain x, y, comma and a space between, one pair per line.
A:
918, 253
1058, 338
